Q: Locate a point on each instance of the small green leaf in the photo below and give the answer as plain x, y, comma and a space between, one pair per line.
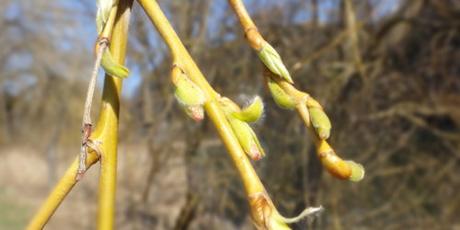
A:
273, 62
357, 171
252, 112
111, 67
320, 122
282, 99
243, 132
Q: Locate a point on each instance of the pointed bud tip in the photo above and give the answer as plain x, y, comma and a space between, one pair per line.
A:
195, 112
197, 118
324, 133
286, 75
255, 154
257, 157
272, 60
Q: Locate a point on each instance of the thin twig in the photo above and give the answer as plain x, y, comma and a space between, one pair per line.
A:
87, 123
104, 141
335, 165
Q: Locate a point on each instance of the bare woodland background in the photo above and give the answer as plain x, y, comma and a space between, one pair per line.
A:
394, 108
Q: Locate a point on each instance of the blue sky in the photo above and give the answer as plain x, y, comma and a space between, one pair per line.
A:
85, 28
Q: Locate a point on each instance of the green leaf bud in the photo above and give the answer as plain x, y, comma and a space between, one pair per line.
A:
186, 91
247, 139
357, 171
188, 94
320, 122
273, 62
282, 99
243, 132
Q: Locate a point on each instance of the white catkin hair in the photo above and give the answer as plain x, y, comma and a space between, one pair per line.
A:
246, 101
304, 214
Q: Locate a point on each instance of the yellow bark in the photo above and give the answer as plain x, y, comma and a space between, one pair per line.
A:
105, 136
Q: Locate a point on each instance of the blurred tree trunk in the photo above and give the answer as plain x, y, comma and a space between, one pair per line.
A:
50, 149
188, 211
311, 174
314, 13
193, 22
149, 127
4, 133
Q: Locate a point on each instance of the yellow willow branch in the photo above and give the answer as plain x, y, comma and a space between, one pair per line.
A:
242, 14
59, 192
251, 181
181, 56
250, 29
263, 212
109, 119
105, 135
353, 32
325, 152
335, 165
